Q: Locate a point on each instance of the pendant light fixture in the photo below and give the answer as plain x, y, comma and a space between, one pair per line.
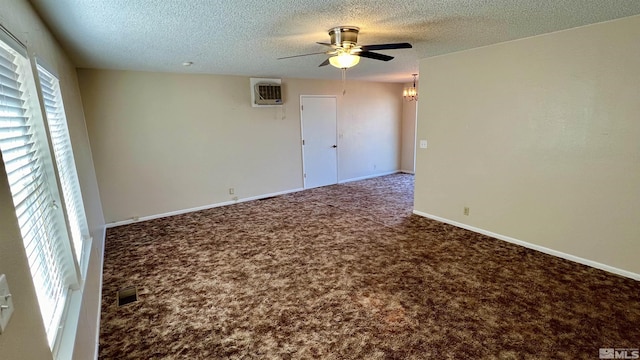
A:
411, 93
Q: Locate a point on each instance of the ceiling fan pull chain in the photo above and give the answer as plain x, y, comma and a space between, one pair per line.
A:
344, 81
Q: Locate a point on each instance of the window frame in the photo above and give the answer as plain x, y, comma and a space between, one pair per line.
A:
62, 327
83, 253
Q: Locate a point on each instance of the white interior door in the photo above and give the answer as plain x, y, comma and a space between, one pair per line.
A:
319, 140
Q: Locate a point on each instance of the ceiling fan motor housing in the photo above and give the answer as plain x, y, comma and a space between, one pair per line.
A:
344, 36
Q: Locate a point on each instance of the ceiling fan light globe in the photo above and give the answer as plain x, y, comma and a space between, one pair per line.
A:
344, 60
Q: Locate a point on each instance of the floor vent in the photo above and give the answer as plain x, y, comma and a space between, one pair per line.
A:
127, 295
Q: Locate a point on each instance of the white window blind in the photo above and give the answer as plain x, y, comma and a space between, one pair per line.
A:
29, 171
63, 153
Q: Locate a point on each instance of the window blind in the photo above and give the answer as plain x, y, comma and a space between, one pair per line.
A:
29, 174
63, 153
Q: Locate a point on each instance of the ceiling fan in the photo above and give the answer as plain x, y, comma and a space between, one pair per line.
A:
345, 51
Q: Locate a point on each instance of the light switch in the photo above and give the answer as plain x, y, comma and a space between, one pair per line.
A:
423, 144
6, 303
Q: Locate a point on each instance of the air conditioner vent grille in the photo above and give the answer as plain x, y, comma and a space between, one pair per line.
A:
268, 94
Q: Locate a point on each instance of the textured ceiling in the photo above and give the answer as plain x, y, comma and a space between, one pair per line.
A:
245, 37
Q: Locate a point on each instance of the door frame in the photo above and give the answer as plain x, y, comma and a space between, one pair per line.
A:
304, 179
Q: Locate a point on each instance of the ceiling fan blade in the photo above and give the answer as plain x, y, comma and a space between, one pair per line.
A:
325, 44
376, 56
324, 63
289, 57
386, 46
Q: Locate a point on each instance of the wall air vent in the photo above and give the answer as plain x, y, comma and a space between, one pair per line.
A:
266, 92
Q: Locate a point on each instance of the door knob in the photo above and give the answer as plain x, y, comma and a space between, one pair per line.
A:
334, 146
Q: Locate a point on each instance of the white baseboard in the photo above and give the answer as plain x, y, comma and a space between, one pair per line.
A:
225, 203
543, 249
199, 208
368, 176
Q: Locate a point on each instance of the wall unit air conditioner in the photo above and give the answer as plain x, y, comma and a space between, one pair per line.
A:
266, 92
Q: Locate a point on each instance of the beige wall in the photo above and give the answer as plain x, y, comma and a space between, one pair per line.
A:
168, 142
540, 138
408, 142
25, 336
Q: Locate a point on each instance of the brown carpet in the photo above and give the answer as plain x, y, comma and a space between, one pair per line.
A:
347, 272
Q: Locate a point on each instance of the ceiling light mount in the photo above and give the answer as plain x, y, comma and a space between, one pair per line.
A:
344, 36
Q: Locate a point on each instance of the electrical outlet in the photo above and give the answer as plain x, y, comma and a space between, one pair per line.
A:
466, 211
232, 191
